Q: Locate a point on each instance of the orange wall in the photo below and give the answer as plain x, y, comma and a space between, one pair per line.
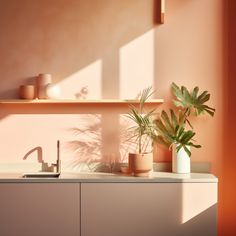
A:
229, 164
115, 48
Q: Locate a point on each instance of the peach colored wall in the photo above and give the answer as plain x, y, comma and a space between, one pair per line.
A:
99, 44
115, 48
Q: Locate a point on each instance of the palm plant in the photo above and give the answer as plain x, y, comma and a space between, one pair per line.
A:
143, 130
172, 129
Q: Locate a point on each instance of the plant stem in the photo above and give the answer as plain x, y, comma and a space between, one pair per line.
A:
140, 143
145, 143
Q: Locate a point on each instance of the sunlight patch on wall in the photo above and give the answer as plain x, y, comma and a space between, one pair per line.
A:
196, 198
88, 78
137, 65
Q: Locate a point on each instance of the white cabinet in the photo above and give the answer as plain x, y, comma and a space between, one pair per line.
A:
148, 209
40, 209
109, 205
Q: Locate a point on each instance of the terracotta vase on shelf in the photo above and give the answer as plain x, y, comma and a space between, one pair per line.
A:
42, 80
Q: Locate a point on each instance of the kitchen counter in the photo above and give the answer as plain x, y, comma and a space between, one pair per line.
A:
98, 177
91, 204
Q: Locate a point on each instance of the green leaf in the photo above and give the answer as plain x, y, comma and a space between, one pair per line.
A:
173, 118
187, 136
171, 129
194, 145
178, 147
181, 118
159, 139
191, 102
145, 95
205, 98
187, 150
176, 90
167, 122
202, 95
160, 127
195, 92
186, 95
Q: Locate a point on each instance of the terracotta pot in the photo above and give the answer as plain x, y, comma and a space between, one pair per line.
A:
27, 92
180, 161
141, 164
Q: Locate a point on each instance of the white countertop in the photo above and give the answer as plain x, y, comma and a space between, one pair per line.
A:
98, 177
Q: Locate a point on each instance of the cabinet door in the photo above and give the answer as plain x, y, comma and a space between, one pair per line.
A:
39, 209
148, 209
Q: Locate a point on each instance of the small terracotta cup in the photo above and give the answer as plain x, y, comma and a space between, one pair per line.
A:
27, 91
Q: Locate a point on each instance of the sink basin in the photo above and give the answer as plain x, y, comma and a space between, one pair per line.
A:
41, 175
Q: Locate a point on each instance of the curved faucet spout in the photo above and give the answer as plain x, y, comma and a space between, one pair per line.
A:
39, 151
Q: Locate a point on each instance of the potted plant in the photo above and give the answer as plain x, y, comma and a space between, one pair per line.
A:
141, 163
172, 129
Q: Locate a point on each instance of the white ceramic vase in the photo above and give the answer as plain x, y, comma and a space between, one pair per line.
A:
180, 161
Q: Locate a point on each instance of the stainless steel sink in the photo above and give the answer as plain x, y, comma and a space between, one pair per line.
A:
41, 175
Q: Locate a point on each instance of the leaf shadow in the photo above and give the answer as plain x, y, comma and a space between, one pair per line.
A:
87, 145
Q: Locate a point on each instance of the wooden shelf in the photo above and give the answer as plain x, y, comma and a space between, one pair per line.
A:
73, 101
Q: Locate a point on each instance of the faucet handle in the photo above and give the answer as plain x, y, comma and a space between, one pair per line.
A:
47, 168
58, 157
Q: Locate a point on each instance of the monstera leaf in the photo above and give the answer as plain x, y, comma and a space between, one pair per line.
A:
171, 130
191, 101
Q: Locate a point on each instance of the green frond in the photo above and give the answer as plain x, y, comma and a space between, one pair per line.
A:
173, 118
171, 129
143, 129
187, 150
195, 92
191, 102
145, 95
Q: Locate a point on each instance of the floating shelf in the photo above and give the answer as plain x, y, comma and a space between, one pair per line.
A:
73, 101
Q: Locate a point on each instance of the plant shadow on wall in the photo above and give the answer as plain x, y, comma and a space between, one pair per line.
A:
87, 147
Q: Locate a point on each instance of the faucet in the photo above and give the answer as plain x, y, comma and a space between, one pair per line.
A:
58, 162
48, 171
45, 166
